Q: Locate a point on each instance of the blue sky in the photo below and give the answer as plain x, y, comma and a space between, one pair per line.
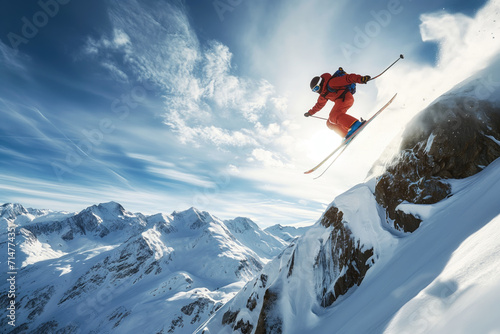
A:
164, 105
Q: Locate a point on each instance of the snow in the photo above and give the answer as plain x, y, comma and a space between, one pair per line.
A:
483, 85
463, 292
361, 211
147, 274
494, 139
36, 251
420, 211
429, 143
64, 269
444, 274
299, 300
442, 278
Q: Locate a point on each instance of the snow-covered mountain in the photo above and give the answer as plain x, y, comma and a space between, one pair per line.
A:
105, 269
415, 249
266, 245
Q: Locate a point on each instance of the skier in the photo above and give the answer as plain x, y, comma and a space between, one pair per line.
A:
338, 88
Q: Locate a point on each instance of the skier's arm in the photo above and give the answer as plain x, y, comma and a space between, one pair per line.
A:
346, 80
318, 106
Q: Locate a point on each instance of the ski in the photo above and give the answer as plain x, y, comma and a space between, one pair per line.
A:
348, 140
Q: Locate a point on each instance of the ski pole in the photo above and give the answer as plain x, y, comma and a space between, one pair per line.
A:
400, 57
326, 119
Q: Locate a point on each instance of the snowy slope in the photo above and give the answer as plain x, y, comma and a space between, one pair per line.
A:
105, 269
445, 268
413, 250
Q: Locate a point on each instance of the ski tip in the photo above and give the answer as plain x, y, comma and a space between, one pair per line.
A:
309, 171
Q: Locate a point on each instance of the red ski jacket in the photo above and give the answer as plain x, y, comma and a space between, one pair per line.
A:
336, 83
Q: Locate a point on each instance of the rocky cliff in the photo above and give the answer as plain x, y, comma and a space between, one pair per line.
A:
453, 138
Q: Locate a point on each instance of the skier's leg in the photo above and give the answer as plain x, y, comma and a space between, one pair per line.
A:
337, 128
338, 120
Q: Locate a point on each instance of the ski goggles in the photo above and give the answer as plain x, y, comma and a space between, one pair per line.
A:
317, 87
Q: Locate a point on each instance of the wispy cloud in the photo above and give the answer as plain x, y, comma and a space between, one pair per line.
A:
204, 103
175, 174
171, 171
11, 58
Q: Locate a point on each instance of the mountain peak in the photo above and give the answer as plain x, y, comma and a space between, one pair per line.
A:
112, 208
191, 211
12, 210
193, 218
241, 224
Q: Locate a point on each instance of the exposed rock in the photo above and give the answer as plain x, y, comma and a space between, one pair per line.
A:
131, 258
453, 138
291, 264
229, 317
176, 323
197, 308
252, 301
244, 326
90, 221
269, 319
247, 265
341, 262
118, 315
333, 216
48, 327
23, 328
89, 282
263, 279
38, 300
68, 236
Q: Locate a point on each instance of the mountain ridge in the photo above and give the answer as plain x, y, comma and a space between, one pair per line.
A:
181, 267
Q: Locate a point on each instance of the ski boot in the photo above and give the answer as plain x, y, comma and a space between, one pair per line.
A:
354, 127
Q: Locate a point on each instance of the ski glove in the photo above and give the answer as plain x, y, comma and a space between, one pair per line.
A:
307, 114
365, 79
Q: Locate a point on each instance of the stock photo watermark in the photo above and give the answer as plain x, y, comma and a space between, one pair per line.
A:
31, 26
11, 271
